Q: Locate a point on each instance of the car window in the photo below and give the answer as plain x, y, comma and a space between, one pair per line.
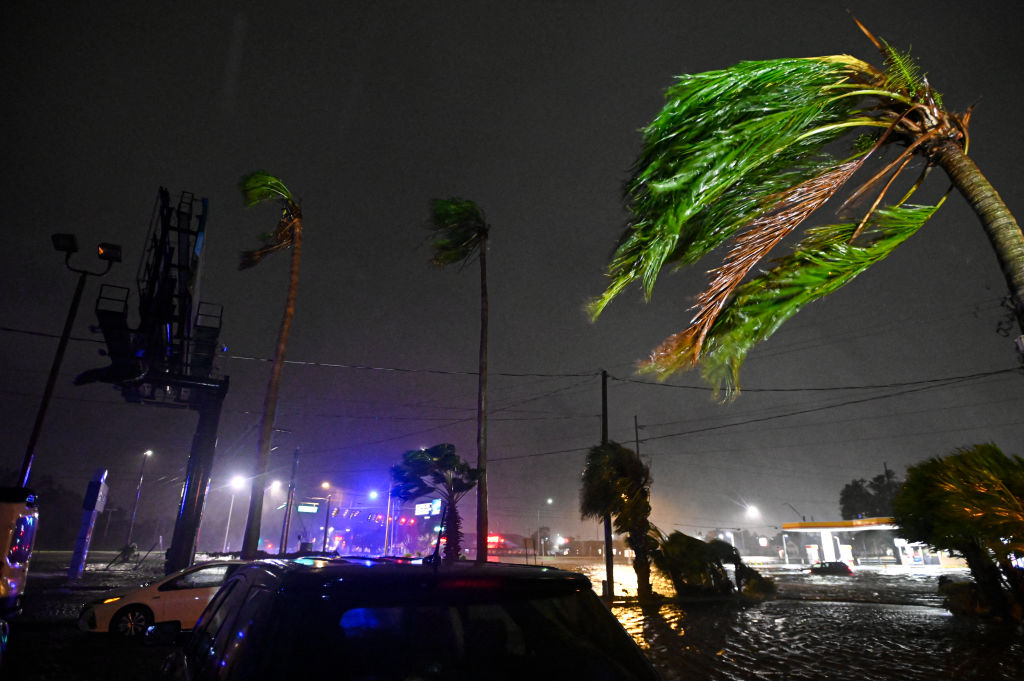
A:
209, 634
245, 630
204, 577
570, 637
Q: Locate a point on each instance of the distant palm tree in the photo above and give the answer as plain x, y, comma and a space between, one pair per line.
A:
437, 470
741, 154
459, 231
616, 484
259, 187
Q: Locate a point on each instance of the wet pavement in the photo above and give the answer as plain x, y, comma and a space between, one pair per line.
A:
876, 624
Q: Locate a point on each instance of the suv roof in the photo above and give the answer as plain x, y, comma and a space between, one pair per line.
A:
393, 618
463, 574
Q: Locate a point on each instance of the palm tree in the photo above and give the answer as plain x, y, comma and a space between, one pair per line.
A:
971, 502
692, 565
616, 483
259, 187
459, 231
437, 470
740, 154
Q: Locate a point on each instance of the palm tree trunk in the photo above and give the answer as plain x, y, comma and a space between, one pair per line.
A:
250, 542
481, 415
1002, 229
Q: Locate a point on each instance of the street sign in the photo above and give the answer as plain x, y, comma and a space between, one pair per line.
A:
307, 507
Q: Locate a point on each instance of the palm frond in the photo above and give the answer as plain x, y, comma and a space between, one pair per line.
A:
763, 234
260, 186
724, 146
458, 228
822, 263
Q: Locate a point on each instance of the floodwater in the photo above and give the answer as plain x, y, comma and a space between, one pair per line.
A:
878, 624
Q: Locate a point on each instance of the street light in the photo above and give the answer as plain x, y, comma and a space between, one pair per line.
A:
138, 493
237, 483
540, 544
68, 245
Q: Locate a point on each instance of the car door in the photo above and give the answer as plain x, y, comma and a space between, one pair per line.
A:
183, 598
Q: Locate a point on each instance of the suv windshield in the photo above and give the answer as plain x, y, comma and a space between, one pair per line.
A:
445, 634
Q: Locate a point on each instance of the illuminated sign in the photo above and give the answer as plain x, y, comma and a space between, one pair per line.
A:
428, 508
307, 507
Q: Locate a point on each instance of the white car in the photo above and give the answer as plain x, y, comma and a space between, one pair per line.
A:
178, 597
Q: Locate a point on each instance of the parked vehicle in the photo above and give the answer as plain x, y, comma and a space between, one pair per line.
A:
831, 568
19, 518
370, 619
179, 597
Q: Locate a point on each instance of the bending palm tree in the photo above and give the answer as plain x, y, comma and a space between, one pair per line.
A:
459, 231
739, 154
616, 483
258, 188
437, 470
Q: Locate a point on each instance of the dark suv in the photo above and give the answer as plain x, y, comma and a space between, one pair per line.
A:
377, 620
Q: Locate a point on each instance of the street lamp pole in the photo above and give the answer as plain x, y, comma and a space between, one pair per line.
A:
227, 526
67, 244
138, 493
288, 505
237, 483
327, 521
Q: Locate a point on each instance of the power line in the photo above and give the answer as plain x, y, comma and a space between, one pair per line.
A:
877, 386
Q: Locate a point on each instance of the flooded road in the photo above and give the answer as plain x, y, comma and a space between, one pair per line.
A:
874, 625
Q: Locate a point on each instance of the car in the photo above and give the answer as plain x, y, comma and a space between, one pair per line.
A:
831, 568
179, 597
375, 619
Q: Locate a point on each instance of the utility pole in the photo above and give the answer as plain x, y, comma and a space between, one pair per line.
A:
608, 590
283, 548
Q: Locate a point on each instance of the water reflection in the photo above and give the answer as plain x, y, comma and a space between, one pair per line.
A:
873, 625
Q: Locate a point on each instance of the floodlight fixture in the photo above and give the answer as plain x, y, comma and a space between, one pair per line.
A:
65, 243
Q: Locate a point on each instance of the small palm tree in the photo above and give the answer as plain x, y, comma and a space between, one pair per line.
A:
971, 502
459, 231
616, 484
260, 187
693, 566
437, 470
740, 154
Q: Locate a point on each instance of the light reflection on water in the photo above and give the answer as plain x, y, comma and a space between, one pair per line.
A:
874, 625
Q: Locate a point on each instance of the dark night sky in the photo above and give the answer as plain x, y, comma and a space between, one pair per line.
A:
532, 110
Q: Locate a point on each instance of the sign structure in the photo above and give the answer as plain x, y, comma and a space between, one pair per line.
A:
307, 507
428, 508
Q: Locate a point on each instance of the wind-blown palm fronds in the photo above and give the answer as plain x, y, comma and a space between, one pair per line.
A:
459, 231
744, 153
437, 470
260, 187
616, 483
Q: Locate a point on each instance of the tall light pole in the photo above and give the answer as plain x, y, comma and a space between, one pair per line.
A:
138, 493
327, 514
540, 544
237, 483
68, 245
